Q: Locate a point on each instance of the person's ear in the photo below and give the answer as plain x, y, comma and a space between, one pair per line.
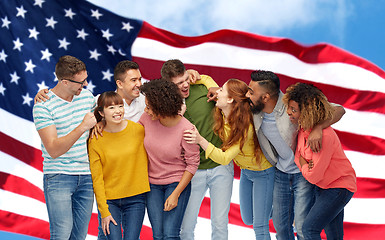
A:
230, 100
266, 97
101, 113
119, 83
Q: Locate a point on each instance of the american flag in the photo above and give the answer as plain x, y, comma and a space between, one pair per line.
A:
35, 33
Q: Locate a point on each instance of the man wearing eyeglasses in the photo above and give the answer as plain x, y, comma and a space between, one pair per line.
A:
63, 123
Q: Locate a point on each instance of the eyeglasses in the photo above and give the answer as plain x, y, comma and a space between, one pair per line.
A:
81, 83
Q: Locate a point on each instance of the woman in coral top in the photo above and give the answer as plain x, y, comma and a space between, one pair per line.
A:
329, 169
172, 162
234, 125
118, 163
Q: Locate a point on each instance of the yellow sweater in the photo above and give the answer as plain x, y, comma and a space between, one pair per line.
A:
118, 163
245, 159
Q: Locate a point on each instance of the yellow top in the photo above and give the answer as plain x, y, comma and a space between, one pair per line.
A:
118, 163
207, 81
245, 159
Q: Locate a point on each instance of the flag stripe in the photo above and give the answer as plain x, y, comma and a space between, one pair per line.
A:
21, 151
11, 164
370, 188
319, 53
363, 231
24, 128
362, 143
20, 186
244, 58
24, 225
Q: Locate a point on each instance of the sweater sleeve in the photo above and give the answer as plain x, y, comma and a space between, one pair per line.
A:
191, 156
222, 157
321, 160
207, 81
97, 178
225, 157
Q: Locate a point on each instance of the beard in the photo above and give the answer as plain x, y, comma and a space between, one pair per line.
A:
257, 107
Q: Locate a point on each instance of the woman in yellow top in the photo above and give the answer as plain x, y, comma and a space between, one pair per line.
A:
234, 125
118, 163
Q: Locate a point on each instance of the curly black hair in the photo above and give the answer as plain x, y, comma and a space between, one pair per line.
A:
163, 97
312, 103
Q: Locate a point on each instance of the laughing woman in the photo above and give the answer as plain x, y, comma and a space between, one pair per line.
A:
118, 163
328, 169
172, 161
234, 125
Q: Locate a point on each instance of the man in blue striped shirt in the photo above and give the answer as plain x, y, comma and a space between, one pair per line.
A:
63, 123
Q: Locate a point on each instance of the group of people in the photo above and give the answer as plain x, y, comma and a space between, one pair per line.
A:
163, 144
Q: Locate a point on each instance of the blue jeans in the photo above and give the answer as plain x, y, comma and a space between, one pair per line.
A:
256, 200
166, 224
129, 214
69, 200
327, 213
292, 199
219, 181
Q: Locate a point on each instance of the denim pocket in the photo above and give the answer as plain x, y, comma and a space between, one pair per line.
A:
230, 168
51, 176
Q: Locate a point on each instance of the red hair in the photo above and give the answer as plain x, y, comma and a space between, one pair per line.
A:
239, 119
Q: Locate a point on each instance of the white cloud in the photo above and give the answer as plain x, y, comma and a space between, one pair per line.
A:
196, 17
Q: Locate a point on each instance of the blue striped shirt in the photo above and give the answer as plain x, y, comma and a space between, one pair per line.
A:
66, 116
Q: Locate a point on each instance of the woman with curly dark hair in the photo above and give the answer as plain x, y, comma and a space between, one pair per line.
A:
172, 161
329, 169
234, 125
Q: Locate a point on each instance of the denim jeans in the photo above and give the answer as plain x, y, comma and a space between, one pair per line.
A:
129, 214
327, 213
292, 199
166, 224
256, 200
219, 181
69, 200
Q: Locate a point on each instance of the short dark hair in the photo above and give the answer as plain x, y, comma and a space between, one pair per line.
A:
163, 97
68, 66
268, 80
122, 67
172, 68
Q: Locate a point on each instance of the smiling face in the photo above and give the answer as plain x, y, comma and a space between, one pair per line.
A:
113, 114
293, 111
183, 84
129, 86
255, 94
149, 111
223, 99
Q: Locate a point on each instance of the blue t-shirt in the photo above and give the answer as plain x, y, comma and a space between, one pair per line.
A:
66, 116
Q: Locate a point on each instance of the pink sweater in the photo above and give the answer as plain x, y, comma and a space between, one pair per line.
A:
332, 169
169, 155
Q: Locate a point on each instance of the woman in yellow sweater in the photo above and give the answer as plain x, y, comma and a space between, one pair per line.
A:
234, 125
118, 163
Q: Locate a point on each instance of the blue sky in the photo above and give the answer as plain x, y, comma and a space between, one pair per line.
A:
356, 26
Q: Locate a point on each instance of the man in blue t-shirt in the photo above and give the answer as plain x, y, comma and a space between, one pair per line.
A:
63, 123
277, 136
